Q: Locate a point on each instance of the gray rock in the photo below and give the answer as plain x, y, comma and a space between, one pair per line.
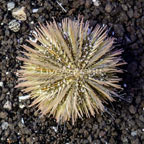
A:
3, 115
1, 84
108, 8
130, 13
35, 10
14, 25
132, 109
141, 118
96, 3
8, 105
124, 7
4, 125
10, 5
134, 133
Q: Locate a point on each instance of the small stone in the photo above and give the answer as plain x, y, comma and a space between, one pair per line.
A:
88, 3
125, 140
4, 125
132, 109
1, 84
134, 133
124, 7
108, 8
102, 133
123, 17
24, 97
14, 25
8, 105
136, 14
130, 13
141, 118
35, 10
19, 14
96, 3
21, 106
10, 5
54, 128
3, 115
22, 120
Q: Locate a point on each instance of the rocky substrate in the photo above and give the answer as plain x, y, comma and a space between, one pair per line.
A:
122, 123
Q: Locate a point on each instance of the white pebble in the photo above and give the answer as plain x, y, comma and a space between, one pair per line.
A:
54, 128
7, 73
22, 120
23, 97
96, 2
35, 10
21, 106
134, 133
4, 125
8, 105
10, 5
1, 84
32, 22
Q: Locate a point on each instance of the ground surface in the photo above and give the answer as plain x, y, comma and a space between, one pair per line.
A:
122, 124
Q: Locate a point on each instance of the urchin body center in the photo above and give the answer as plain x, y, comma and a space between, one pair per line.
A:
76, 72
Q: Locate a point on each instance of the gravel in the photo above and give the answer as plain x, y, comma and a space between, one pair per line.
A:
123, 123
10, 5
8, 105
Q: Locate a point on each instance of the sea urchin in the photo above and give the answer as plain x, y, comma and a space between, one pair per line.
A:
71, 70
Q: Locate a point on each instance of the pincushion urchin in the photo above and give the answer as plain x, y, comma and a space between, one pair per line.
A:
71, 70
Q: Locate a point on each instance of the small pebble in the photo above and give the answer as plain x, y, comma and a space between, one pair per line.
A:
132, 109
14, 25
19, 14
22, 120
124, 7
4, 125
102, 133
32, 22
134, 133
7, 73
54, 128
21, 106
10, 5
1, 84
23, 97
8, 105
96, 2
35, 10
3, 115
108, 8
130, 13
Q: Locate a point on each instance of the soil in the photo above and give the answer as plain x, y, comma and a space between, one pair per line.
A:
122, 123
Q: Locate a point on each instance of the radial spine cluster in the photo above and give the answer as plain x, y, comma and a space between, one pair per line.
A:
71, 70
